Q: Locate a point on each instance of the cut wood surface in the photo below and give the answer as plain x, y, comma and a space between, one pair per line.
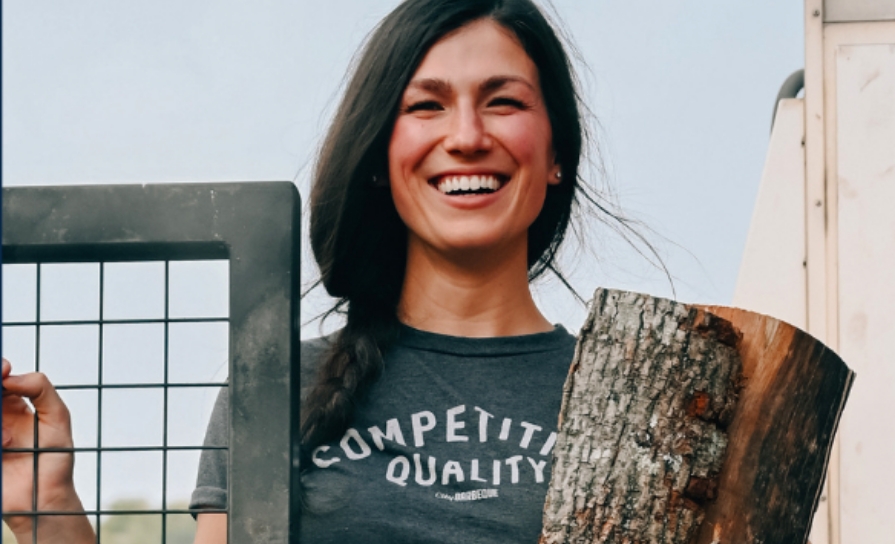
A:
781, 434
683, 423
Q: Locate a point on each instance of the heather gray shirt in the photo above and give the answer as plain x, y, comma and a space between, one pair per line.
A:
453, 444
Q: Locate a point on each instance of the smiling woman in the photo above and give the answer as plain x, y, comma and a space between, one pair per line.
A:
431, 414
445, 184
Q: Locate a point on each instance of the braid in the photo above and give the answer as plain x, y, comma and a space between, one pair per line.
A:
352, 365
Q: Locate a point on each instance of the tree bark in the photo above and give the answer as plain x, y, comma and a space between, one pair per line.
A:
672, 417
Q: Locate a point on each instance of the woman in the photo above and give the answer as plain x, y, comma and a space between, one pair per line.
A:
445, 185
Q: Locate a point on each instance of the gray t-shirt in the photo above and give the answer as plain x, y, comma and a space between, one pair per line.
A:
453, 444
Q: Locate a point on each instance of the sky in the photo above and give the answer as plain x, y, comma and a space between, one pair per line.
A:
103, 91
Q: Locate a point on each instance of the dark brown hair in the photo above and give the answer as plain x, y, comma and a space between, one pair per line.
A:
358, 239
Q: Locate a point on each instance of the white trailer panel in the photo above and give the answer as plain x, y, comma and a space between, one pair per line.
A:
865, 98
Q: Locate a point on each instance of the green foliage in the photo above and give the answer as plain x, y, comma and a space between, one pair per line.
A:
138, 528
8, 538
145, 528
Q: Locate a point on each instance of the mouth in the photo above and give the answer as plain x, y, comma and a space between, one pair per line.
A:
469, 184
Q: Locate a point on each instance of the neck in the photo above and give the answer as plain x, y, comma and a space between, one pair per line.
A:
483, 295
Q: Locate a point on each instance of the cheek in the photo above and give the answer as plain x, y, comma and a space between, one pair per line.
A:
408, 146
404, 152
529, 142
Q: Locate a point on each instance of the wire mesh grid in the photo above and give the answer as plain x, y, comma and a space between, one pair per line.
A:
252, 225
148, 340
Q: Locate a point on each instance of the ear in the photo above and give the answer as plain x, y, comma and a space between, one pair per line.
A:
555, 175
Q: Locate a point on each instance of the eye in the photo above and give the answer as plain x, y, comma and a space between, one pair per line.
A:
425, 105
506, 102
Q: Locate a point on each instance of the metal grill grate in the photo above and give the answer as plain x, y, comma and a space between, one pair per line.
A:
246, 231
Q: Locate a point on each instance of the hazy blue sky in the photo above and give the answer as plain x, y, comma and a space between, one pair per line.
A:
102, 91
105, 91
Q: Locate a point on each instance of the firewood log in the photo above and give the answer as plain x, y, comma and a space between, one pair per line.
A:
682, 423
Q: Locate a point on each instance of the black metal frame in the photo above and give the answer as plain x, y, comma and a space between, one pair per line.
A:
256, 227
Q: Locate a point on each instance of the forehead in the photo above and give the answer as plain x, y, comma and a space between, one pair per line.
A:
477, 51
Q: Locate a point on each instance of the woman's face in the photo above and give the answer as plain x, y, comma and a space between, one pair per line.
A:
471, 153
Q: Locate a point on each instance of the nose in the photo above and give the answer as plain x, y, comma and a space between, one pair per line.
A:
467, 133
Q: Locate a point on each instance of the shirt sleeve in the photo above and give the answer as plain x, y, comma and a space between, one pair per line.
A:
211, 483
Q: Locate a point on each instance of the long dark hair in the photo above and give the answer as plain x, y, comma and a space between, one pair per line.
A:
358, 240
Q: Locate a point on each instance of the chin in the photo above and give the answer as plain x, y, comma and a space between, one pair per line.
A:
479, 243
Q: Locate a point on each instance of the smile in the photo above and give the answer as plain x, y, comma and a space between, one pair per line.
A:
469, 185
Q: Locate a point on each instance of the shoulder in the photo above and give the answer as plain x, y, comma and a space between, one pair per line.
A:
312, 353
314, 349
566, 338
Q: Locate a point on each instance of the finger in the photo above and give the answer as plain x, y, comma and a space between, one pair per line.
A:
14, 405
43, 396
7, 368
18, 423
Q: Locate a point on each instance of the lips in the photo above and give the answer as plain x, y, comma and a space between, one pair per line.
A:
469, 184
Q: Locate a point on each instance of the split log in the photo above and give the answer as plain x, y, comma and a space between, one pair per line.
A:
641, 441
684, 424
781, 434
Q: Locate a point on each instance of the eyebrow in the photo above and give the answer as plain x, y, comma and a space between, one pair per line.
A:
443, 87
496, 82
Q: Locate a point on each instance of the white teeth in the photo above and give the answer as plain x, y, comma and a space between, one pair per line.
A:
452, 184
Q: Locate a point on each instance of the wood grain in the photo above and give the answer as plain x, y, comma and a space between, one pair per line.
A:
684, 423
781, 434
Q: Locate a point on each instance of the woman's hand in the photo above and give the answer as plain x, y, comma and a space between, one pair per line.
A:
55, 485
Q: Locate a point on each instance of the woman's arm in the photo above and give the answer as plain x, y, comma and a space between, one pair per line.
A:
211, 529
73, 529
211, 482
